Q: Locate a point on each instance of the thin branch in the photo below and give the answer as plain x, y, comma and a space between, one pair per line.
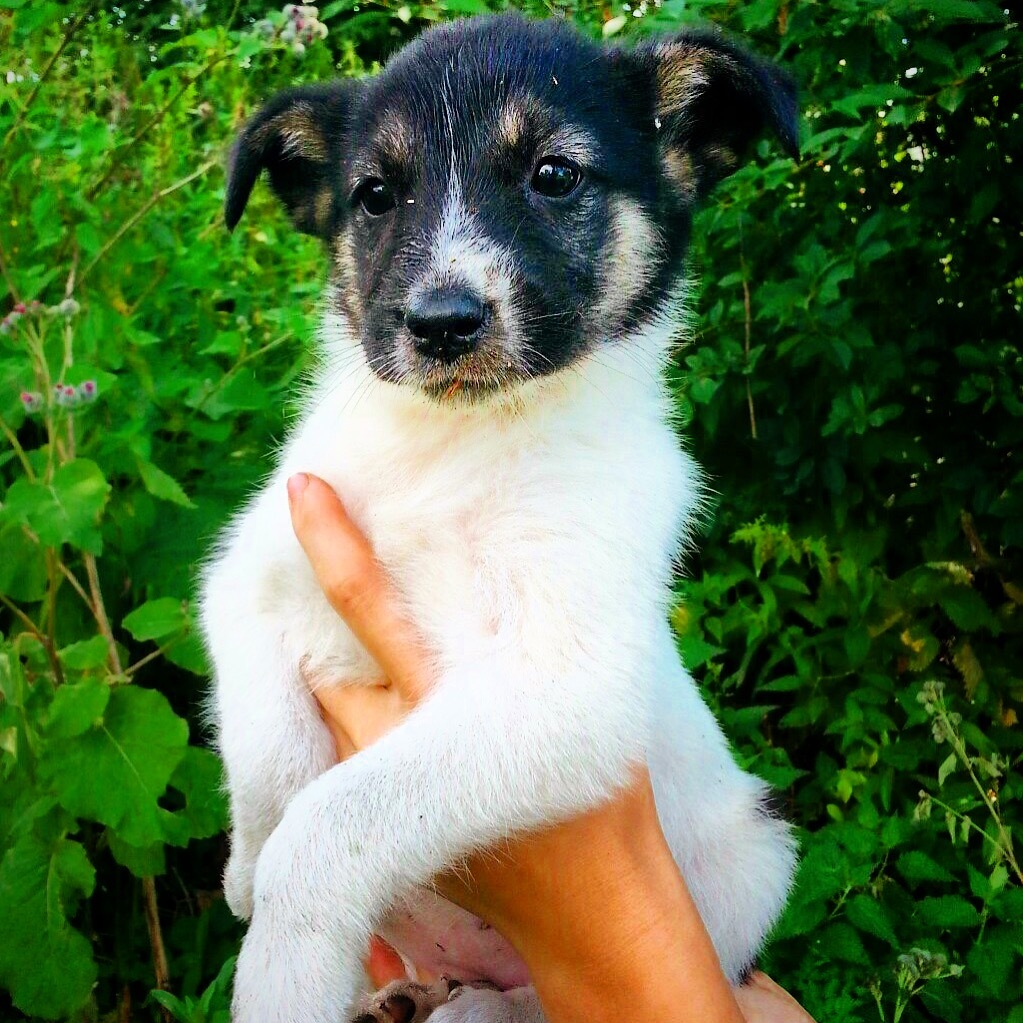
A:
140, 213
151, 656
119, 153
749, 333
160, 968
7, 276
100, 613
12, 439
73, 580
44, 641
50, 64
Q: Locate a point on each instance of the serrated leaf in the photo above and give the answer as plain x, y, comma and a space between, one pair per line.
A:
116, 773
947, 911
917, 866
869, 915
44, 962
157, 619
163, 486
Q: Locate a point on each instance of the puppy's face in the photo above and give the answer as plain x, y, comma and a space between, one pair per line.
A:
505, 194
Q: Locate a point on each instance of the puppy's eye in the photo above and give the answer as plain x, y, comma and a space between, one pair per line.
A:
555, 178
374, 197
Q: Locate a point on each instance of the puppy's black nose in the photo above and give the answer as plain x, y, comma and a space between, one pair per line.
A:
446, 322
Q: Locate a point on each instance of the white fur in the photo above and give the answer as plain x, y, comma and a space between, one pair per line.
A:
533, 540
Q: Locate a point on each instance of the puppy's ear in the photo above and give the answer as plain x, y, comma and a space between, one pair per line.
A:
297, 139
711, 100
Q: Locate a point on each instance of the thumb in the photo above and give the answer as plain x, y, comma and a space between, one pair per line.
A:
356, 585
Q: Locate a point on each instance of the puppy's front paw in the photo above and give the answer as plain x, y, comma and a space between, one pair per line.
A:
402, 1001
485, 1005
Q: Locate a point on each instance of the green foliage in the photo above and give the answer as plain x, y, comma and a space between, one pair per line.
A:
854, 385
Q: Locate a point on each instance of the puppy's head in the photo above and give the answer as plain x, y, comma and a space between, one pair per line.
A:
506, 194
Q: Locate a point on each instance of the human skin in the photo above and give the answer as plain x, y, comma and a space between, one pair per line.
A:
595, 905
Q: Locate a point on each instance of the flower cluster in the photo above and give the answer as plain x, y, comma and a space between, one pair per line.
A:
64, 395
297, 26
20, 310
192, 8
68, 308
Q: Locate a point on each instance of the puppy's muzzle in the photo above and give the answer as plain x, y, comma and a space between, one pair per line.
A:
447, 322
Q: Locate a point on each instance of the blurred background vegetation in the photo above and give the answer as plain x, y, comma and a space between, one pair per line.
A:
854, 387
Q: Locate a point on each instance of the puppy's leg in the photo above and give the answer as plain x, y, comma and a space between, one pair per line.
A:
498, 747
269, 731
403, 1001
273, 743
482, 1005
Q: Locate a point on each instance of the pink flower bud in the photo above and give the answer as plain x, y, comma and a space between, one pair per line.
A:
32, 401
87, 390
20, 308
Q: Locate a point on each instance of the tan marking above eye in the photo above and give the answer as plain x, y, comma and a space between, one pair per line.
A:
395, 141
513, 122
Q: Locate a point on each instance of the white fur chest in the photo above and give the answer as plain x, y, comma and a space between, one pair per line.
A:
460, 504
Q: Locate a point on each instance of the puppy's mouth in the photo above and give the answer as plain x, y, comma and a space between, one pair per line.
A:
471, 378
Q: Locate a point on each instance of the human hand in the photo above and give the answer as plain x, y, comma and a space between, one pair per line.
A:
551, 893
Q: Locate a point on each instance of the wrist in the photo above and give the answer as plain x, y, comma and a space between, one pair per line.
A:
629, 942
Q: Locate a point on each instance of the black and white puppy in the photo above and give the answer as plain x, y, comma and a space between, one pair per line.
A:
506, 210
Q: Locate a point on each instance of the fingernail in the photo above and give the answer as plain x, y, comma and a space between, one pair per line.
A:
297, 485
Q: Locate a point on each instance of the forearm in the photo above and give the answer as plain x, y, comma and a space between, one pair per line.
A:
599, 912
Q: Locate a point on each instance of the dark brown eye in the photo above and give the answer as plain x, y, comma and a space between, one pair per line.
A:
555, 178
374, 197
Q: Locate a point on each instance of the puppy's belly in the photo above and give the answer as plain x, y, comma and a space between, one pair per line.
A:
440, 938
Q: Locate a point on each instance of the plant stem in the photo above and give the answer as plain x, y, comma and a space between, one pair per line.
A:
139, 214
12, 439
160, 968
120, 153
44, 641
1004, 838
72, 30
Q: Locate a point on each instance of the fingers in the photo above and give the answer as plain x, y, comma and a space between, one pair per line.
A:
356, 585
358, 715
763, 1001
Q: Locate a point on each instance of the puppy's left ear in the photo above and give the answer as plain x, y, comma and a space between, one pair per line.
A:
297, 138
711, 100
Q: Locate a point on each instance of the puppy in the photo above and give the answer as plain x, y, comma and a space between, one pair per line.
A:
505, 209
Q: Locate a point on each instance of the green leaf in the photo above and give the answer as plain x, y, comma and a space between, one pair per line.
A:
199, 778
867, 914
23, 565
44, 962
947, 911
163, 486
157, 619
86, 654
66, 511
76, 708
916, 866
142, 861
116, 773
948, 765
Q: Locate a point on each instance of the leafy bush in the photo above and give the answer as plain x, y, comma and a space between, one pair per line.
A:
853, 385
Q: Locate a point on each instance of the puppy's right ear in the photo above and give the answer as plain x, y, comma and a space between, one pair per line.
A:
297, 139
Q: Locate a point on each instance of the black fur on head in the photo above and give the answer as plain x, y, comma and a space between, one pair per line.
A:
506, 195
